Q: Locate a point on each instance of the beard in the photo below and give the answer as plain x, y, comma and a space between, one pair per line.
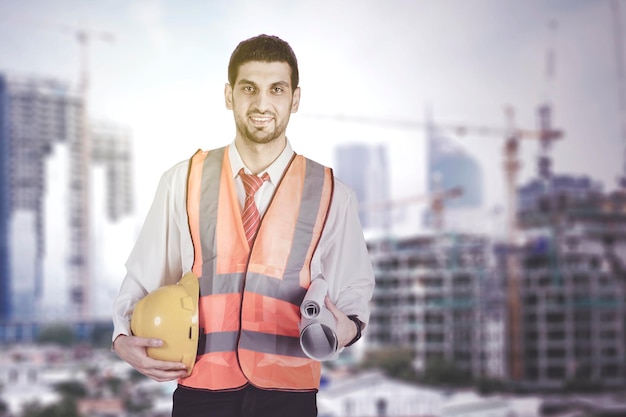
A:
260, 136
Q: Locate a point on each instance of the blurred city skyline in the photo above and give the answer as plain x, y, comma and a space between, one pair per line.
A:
462, 62
164, 72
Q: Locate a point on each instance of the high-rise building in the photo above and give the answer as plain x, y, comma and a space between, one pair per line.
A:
442, 295
5, 287
112, 147
365, 169
35, 113
437, 296
573, 283
448, 167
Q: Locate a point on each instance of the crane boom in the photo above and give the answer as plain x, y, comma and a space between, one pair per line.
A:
458, 129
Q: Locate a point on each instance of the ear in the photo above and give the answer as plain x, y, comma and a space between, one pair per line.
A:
295, 100
228, 96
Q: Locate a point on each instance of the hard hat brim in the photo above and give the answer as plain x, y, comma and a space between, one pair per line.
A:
192, 285
164, 314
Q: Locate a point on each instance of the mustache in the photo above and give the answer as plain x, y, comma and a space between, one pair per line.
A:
254, 113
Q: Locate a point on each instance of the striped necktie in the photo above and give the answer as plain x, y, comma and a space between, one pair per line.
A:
250, 215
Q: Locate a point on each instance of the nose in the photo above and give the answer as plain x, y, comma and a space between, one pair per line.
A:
262, 102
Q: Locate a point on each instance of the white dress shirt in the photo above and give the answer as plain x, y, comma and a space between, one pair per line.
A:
164, 252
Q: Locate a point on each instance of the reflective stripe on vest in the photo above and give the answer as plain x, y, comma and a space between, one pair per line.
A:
250, 299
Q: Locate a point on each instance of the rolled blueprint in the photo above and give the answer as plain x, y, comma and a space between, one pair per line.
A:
318, 337
314, 298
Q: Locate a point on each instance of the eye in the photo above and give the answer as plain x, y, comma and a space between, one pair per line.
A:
278, 90
248, 89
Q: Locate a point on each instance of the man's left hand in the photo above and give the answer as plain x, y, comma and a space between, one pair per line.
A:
346, 328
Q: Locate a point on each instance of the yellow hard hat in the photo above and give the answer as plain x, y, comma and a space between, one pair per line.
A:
170, 313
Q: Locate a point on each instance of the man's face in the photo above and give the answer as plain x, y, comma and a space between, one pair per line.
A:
262, 100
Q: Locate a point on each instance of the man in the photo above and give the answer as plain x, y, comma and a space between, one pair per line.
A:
253, 277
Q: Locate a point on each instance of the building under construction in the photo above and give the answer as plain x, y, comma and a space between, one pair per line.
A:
35, 115
445, 296
573, 277
437, 296
112, 148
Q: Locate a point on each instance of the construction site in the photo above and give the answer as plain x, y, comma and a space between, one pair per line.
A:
38, 114
544, 307
540, 305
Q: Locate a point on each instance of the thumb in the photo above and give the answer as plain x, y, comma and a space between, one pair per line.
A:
331, 307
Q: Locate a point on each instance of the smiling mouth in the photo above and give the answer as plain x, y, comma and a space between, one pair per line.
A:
261, 120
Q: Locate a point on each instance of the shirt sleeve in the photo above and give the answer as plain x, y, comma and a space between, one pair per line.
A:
158, 255
342, 257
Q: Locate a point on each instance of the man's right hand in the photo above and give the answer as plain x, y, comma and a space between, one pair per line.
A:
132, 349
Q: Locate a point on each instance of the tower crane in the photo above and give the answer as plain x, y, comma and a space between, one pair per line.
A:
511, 166
436, 202
618, 37
80, 184
511, 134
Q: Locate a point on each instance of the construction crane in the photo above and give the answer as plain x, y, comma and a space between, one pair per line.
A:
80, 185
618, 40
80, 148
436, 202
511, 134
511, 166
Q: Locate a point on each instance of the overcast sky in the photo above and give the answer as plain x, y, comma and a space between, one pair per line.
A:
164, 74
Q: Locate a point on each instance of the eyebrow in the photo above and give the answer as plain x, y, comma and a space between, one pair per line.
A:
283, 83
244, 81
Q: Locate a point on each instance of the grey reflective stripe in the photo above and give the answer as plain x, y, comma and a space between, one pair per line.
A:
271, 343
289, 290
217, 342
221, 284
309, 207
209, 193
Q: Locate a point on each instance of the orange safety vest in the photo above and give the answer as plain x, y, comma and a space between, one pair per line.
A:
249, 307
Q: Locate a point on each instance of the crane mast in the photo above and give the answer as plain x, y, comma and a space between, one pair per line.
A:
80, 187
618, 37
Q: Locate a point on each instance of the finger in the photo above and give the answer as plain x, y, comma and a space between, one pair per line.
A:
168, 370
162, 376
329, 304
168, 366
333, 309
162, 371
147, 342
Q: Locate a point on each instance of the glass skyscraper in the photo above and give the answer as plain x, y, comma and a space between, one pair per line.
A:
365, 169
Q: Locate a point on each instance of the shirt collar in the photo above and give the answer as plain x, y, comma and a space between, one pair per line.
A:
275, 170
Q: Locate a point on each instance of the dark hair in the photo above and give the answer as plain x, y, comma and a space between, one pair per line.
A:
263, 48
